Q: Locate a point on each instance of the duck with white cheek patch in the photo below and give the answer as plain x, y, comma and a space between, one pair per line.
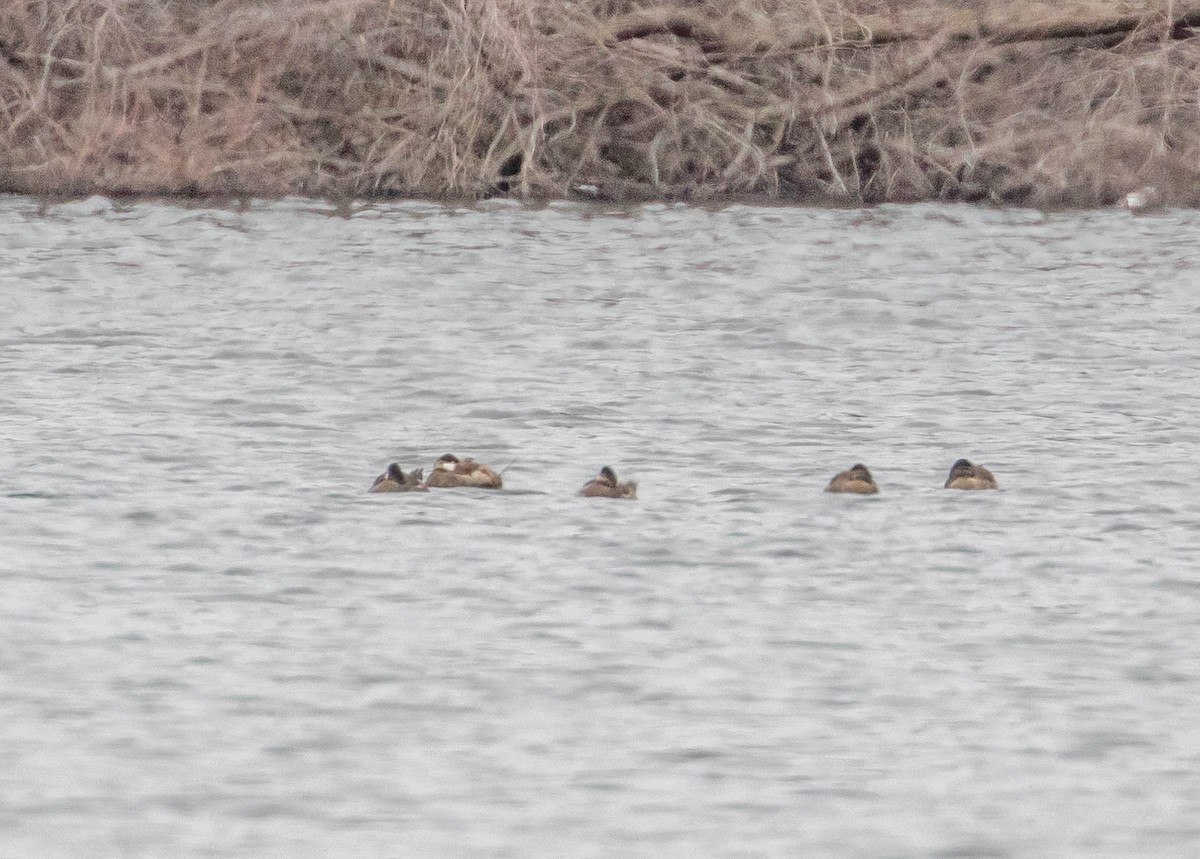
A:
450, 472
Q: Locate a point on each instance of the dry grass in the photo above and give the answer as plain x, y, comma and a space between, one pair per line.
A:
679, 100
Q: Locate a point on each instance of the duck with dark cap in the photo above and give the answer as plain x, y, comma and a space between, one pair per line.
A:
857, 480
606, 485
964, 475
395, 480
449, 471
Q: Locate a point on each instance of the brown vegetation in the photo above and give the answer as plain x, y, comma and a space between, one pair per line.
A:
817, 100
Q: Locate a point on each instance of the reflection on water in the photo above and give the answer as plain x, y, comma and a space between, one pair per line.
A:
214, 642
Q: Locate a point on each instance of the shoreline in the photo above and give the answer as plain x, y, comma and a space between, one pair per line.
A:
852, 103
348, 205
228, 201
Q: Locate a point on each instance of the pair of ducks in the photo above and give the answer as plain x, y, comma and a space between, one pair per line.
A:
963, 475
449, 471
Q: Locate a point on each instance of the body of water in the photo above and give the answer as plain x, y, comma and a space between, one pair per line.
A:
214, 642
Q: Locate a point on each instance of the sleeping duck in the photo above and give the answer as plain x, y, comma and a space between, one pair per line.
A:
857, 479
964, 475
605, 485
395, 480
450, 471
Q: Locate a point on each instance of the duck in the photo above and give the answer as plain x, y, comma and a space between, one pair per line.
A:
964, 475
395, 480
858, 480
605, 485
450, 471
1143, 200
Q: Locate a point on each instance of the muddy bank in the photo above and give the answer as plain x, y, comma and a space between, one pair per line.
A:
1044, 104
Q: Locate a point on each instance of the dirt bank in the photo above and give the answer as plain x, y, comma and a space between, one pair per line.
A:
1044, 104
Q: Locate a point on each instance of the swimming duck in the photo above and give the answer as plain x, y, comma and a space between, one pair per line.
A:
450, 471
605, 485
1143, 200
964, 475
395, 480
857, 479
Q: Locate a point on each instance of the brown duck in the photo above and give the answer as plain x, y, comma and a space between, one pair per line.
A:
450, 471
395, 480
857, 480
964, 475
605, 485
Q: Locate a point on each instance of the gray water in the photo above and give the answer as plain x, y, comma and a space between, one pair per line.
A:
214, 642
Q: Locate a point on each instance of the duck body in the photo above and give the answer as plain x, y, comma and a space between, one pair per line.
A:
606, 485
449, 472
395, 480
965, 475
857, 480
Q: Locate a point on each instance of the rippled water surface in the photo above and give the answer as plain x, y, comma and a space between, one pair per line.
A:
214, 642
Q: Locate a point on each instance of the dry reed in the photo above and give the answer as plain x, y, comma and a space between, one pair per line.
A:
814, 100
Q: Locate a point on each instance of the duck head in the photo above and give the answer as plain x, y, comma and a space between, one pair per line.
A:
860, 472
961, 466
